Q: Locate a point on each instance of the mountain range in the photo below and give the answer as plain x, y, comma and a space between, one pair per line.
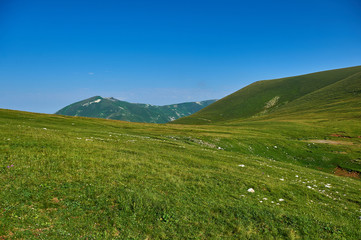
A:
111, 108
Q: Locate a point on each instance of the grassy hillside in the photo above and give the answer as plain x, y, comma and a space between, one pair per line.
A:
264, 97
338, 100
79, 178
111, 108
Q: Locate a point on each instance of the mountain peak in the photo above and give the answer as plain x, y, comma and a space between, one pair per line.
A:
112, 108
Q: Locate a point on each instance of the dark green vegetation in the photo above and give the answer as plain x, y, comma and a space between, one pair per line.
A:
111, 108
63, 177
325, 91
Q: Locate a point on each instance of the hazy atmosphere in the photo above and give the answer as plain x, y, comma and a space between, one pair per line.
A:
53, 53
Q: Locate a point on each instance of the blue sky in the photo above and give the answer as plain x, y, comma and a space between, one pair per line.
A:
53, 53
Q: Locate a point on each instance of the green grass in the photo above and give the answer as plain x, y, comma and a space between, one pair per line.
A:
81, 178
286, 96
338, 100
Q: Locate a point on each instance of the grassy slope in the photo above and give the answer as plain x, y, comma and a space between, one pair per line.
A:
337, 100
133, 112
80, 178
251, 100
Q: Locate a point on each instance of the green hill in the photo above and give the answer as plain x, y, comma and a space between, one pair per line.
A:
338, 100
111, 108
286, 94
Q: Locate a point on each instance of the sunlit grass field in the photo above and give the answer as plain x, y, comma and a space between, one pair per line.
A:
81, 178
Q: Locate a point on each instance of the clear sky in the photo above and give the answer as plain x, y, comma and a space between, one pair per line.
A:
53, 53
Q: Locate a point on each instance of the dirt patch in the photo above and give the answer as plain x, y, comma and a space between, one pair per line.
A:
339, 135
346, 173
332, 142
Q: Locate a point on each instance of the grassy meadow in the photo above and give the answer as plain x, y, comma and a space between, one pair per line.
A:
268, 178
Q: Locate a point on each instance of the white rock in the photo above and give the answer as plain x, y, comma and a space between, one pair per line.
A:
251, 190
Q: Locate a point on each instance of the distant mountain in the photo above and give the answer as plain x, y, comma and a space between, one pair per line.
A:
334, 92
111, 108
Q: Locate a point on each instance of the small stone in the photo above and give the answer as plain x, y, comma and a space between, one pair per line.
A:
251, 190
